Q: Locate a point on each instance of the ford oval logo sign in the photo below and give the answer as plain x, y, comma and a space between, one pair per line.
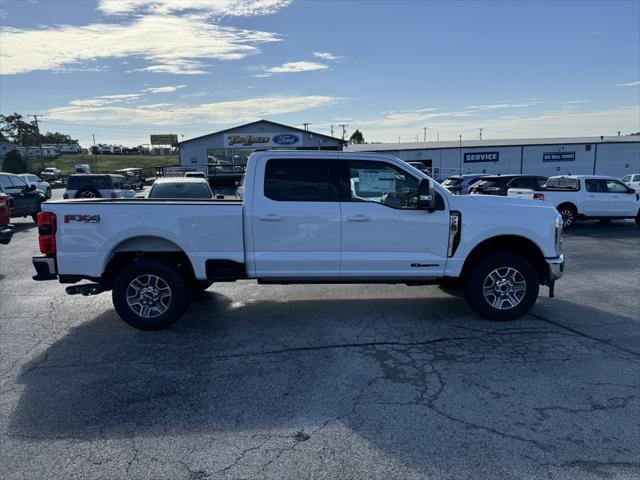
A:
285, 139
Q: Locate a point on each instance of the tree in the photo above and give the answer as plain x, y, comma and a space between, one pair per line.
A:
357, 137
13, 162
14, 129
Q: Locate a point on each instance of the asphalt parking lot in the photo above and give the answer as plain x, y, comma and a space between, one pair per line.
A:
362, 381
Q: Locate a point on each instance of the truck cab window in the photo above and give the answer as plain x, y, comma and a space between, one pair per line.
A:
382, 183
299, 180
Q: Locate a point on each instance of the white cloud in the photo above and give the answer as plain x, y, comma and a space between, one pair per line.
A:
496, 106
171, 44
167, 89
557, 124
105, 100
235, 8
230, 112
575, 102
293, 67
630, 84
326, 56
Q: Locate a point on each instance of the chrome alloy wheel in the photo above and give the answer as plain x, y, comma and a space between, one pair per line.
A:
504, 288
149, 296
568, 217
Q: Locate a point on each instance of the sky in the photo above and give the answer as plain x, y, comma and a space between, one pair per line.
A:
125, 69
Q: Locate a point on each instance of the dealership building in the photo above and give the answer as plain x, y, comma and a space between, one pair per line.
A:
614, 156
225, 153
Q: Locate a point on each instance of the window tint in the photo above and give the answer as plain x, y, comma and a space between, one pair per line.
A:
636, 178
626, 178
521, 183
181, 190
5, 182
613, 186
560, 183
382, 183
101, 182
299, 180
18, 182
596, 186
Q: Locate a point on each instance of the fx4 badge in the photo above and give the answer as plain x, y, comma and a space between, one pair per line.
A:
82, 219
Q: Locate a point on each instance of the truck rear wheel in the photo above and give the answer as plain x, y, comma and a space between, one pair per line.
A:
503, 287
569, 215
150, 295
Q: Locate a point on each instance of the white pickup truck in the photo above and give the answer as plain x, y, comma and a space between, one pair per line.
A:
305, 217
585, 197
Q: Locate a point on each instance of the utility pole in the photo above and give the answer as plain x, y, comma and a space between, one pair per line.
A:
460, 171
332, 130
306, 126
35, 117
425, 134
344, 129
95, 150
438, 136
480, 136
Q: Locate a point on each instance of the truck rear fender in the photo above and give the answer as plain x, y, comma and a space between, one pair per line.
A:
140, 247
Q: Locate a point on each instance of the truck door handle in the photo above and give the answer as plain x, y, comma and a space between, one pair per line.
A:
270, 217
358, 218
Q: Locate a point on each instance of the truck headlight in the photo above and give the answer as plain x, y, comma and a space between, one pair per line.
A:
558, 237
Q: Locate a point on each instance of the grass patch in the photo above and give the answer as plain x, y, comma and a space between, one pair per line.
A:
104, 163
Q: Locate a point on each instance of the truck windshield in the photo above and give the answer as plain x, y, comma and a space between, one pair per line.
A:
452, 182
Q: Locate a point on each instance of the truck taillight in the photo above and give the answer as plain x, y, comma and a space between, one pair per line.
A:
538, 196
47, 227
4, 201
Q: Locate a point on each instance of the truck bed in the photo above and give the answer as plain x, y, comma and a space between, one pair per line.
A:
203, 229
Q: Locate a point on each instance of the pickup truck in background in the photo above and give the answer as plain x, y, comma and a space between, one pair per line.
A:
306, 217
586, 197
6, 229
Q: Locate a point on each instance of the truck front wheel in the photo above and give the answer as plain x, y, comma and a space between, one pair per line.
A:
502, 287
150, 295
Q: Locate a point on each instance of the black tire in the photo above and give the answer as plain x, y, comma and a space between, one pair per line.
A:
479, 277
569, 215
48, 193
144, 271
88, 192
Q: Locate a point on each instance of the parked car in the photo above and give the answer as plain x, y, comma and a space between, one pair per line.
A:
24, 199
97, 186
190, 188
586, 197
632, 181
460, 184
133, 177
500, 184
298, 223
50, 174
6, 229
40, 184
83, 168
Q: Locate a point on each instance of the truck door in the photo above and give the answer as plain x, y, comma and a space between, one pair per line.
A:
384, 235
295, 219
596, 198
622, 203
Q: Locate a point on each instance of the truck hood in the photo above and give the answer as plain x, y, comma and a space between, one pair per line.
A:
491, 202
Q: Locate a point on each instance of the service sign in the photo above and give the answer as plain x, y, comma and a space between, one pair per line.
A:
558, 156
261, 140
481, 157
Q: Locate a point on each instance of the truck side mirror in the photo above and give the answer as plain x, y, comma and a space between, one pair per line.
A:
426, 195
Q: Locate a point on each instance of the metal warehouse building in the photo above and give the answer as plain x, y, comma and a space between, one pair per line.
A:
614, 156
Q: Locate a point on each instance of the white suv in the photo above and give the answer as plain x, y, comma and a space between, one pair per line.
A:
632, 181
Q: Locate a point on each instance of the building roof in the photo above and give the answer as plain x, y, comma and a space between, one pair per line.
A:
280, 125
511, 142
